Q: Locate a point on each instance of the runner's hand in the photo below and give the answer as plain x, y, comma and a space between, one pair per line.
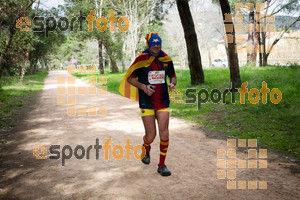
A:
148, 90
171, 86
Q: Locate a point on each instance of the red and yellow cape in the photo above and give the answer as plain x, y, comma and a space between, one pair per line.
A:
143, 60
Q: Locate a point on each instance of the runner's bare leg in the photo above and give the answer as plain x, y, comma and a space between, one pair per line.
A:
150, 127
163, 125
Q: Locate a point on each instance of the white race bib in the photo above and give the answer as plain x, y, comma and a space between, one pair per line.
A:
156, 77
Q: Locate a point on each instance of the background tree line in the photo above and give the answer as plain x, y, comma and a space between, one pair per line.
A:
22, 52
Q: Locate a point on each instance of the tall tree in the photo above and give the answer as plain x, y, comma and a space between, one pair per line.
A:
100, 45
143, 16
105, 38
231, 50
252, 36
10, 11
287, 6
100, 53
194, 57
18, 48
43, 48
258, 19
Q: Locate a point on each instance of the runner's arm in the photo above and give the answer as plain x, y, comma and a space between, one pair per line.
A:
146, 88
173, 81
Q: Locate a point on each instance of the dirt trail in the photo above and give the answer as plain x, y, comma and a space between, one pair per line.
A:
192, 157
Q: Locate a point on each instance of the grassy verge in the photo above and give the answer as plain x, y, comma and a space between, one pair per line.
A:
276, 126
14, 94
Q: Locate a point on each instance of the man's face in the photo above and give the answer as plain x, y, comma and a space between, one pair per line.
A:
155, 50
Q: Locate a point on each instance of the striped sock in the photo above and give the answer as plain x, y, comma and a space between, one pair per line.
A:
146, 144
163, 152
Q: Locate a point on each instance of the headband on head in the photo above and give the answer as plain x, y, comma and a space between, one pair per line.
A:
153, 39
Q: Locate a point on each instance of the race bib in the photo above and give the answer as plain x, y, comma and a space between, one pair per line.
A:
156, 77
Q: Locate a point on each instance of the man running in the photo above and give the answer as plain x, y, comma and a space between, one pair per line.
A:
148, 73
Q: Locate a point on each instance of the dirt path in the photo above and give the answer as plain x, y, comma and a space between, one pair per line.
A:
192, 157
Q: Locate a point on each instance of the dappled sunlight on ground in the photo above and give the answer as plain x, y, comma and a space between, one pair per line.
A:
191, 157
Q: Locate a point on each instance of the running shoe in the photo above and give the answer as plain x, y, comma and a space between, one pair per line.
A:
164, 171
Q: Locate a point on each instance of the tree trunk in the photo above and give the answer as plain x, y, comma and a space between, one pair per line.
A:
260, 50
123, 65
4, 55
255, 46
1, 65
268, 51
265, 60
263, 43
12, 31
114, 67
260, 57
31, 66
259, 42
23, 70
43, 65
37, 8
194, 57
45, 62
255, 38
34, 67
49, 65
209, 57
231, 53
123, 55
251, 58
100, 50
106, 61
182, 59
31, 63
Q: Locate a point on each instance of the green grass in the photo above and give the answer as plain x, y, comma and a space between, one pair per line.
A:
276, 126
13, 94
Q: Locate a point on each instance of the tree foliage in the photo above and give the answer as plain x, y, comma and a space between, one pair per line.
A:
24, 49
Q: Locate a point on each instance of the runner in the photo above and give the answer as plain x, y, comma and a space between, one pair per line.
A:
148, 73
